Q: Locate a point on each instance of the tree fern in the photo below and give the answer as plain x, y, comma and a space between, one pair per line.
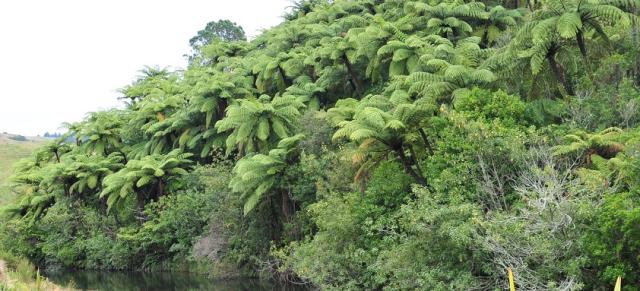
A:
256, 175
254, 124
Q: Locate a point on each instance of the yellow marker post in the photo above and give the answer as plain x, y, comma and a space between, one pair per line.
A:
618, 284
512, 283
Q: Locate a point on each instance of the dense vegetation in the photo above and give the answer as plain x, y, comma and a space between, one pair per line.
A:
11, 151
16, 273
364, 144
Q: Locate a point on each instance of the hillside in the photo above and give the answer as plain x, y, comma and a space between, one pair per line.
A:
365, 145
10, 152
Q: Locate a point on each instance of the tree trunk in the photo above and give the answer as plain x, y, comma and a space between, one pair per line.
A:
57, 156
516, 4
140, 199
425, 139
116, 219
255, 81
124, 156
583, 52
414, 158
408, 167
581, 44
282, 84
354, 78
275, 223
485, 37
286, 206
314, 75
222, 108
371, 9
558, 73
160, 190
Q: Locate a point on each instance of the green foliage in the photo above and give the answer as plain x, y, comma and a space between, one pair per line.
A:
451, 69
221, 30
150, 177
480, 103
613, 243
256, 175
173, 225
257, 124
383, 126
438, 241
602, 144
498, 21
543, 112
554, 29
362, 145
103, 132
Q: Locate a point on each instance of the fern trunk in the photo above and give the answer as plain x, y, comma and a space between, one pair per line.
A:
414, 160
282, 80
124, 157
287, 211
484, 41
426, 141
581, 44
583, 52
160, 189
559, 73
275, 222
140, 201
408, 166
353, 76
222, 108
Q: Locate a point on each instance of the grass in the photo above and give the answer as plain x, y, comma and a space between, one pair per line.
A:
12, 151
24, 276
17, 274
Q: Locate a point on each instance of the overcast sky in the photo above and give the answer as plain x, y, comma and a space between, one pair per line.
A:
61, 59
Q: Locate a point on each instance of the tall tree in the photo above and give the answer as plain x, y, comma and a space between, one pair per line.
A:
603, 144
386, 126
103, 132
555, 28
450, 69
255, 124
223, 29
258, 175
148, 178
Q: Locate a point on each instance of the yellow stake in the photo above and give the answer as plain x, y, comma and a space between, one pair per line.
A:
512, 283
618, 284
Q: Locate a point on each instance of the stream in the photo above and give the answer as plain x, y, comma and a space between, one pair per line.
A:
156, 281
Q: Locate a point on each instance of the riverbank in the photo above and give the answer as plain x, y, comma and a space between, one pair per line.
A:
3, 270
25, 278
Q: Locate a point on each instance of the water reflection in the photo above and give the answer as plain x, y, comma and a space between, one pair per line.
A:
138, 281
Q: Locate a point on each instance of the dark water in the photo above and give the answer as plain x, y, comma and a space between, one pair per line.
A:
138, 281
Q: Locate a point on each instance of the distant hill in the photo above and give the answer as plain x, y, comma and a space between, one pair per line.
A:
17, 138
12, 149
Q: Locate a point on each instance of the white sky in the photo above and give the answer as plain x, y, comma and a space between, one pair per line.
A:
61, 59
